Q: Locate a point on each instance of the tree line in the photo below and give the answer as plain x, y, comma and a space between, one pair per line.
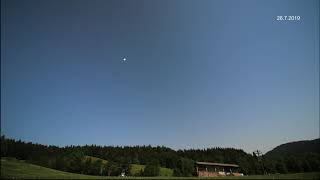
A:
120, 158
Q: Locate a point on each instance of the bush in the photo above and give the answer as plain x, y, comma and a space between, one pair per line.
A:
151, 170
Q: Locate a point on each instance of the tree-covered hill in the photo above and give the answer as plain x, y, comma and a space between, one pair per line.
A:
159, 160
298, 148
12, 168
299, 156
121, 158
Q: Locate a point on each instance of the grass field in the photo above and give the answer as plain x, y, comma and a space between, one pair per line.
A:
16, 169
93, 159
136, 169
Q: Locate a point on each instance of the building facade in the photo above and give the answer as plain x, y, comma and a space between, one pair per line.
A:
210, 169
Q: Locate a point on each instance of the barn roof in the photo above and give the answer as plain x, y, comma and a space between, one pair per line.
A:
216, 164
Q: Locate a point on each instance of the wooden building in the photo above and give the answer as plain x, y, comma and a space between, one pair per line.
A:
210, 169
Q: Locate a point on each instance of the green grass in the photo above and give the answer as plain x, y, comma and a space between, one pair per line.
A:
93, 159
314, 175
136, 169
166, 172
16, 169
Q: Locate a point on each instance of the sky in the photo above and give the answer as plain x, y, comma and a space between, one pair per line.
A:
198, 74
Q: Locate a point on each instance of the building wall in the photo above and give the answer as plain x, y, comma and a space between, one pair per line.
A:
207, 174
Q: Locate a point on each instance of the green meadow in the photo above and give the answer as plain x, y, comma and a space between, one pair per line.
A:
12, 168
135, 169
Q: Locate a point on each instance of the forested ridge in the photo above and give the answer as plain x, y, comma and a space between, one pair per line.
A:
120, 159
297, 148
299, 156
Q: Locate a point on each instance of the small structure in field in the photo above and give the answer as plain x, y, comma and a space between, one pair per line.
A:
210, 169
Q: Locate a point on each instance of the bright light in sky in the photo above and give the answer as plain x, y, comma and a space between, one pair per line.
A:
124, 59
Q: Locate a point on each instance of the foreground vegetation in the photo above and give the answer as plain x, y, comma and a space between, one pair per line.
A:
12, 168
158, 161
134, 169
18, 169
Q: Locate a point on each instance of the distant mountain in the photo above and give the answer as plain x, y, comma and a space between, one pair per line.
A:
300, 156
297, 149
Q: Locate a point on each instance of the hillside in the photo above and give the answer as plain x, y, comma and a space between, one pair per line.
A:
300, 156
298, 148
293, 157
93, 159
12, 168
71, 158
135, 169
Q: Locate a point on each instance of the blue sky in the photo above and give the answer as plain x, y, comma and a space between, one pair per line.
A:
198, 73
